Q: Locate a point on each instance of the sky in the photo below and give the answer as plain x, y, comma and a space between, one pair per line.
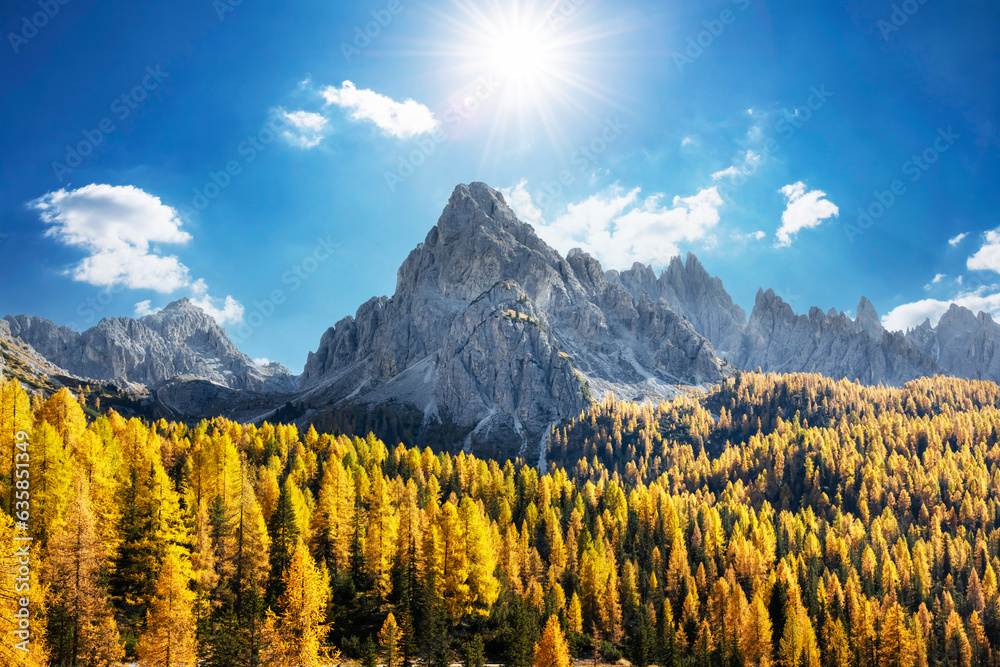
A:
276, 162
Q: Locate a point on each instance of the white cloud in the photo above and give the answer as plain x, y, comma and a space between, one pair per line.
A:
262, 361
937, 279
687, 141
144, 308
399, 119
117, 225
519, 199
752, 236
620, 228
957, 239
307, 128
224, 311
987, 258
910, 315
804, 210
120, 226
751, 161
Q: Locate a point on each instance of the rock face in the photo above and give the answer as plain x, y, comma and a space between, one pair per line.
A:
492, 336
180, 340
493, 330
775, 338
19, 359
691, 292
964, 344
778, 340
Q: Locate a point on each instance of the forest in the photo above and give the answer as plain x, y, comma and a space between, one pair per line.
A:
787, 520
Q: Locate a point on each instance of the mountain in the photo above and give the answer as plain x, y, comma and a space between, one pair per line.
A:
491, 337
179, 341
777, 340
492, 330
19, 360
691, 292
965, 344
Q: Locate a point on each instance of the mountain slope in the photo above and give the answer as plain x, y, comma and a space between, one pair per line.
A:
181, 340
965, 344
690, 291
492, 330
778, 340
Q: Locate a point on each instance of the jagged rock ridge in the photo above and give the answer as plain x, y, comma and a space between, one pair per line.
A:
831, 343
181, 340
492, 329
965, 344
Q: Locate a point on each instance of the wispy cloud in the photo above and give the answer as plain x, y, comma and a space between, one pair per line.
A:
144, 308
398, 119
751, 161
984, 297
223, 310
307, 128
937, 280
804, 210
121, 227
955, 240
620, 227
987, 258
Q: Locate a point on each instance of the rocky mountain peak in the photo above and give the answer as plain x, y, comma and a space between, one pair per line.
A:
957, 317
475, 208
769, 304
491, 329
181, 340
867, 320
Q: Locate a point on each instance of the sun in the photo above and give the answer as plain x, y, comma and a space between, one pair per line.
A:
519, 53
540, 58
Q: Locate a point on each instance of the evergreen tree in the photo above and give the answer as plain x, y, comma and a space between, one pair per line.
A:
169, 638
388, 640
552, 650
82, 628
474, 652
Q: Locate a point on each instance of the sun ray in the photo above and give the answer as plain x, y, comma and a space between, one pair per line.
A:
550, 68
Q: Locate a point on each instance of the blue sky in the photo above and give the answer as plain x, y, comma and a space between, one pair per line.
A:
750, 133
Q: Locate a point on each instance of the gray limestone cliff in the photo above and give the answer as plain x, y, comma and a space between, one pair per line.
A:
180, 340
492, 329
778, 340
964, 344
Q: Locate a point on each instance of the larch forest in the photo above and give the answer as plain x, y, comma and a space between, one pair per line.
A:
786, 520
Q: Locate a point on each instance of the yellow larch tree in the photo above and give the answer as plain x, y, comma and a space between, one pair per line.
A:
295, 637
83, 624
380, 538
552, 649
169, 639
